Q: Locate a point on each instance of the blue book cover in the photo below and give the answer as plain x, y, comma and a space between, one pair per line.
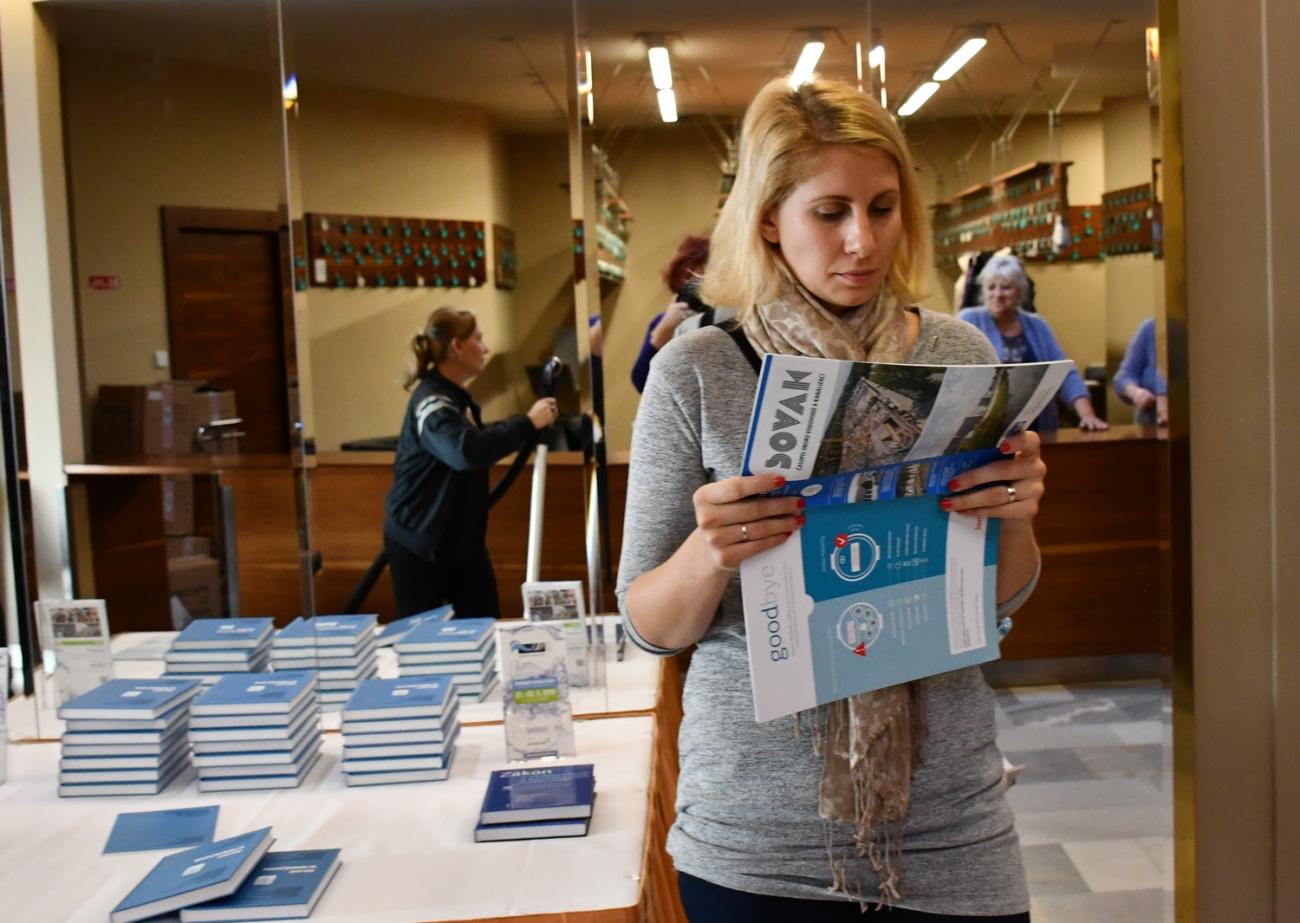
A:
545, 793
194, 876
457, 635
399, 698
394, 631
224, 633
133, 699
262, 694
177, 828
284, 885
531, 830
343, 630
297, 633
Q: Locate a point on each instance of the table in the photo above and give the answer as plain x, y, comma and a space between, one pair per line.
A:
408, 850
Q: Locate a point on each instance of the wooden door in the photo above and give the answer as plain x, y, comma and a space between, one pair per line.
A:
226, 313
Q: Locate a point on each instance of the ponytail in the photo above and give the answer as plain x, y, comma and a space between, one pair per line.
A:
430, 346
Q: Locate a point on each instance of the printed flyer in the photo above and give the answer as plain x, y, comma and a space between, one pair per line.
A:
880, 586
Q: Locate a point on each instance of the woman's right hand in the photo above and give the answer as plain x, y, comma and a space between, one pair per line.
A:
736, 521
544, 413
674, 314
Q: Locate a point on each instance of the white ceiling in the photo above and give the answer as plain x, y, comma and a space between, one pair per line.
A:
508, 56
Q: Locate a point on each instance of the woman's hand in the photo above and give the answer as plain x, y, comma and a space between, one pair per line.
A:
1088, 419
674, 314
544, 413
1140, 397
1016, 483
735, 521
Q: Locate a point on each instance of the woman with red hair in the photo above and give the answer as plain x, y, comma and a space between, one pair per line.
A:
681, 276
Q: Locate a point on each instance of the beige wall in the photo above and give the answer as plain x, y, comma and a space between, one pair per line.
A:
671, 181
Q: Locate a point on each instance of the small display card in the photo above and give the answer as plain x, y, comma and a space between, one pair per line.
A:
535, 688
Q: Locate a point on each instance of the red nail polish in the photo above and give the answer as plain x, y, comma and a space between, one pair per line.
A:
802, 503
780, 481
952, 485
800, 520
1005, 448
945, 504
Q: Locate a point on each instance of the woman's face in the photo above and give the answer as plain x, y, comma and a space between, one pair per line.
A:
473, 352
1001, 296
839, 226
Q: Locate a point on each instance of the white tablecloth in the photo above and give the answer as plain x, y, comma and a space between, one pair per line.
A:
631, 685
408, 850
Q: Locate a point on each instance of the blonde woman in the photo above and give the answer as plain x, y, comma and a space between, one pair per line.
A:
894, 796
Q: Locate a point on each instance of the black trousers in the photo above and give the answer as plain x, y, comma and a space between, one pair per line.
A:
466, 580
706, 902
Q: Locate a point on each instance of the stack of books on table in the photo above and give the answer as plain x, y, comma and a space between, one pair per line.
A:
126, 737
400, 730
392, 632
463, 649
535, 804
208, 649
340, 648
256, 732
232, 879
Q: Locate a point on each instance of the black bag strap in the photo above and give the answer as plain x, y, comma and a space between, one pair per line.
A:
742, 343
706, 317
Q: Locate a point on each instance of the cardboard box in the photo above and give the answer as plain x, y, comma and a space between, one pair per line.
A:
169, 418
117, 426
178, 504
196, 582
187, 546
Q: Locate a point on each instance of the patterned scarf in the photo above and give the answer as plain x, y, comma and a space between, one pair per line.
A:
871, 741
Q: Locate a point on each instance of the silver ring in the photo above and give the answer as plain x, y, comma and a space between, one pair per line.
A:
744, 532
1011, 494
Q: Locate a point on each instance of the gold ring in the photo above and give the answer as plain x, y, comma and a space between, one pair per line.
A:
1011, 494
744, 532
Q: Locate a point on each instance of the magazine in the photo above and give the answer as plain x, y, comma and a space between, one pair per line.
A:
75, 645
880, 586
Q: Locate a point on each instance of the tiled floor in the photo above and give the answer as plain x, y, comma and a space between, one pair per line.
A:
1094, 800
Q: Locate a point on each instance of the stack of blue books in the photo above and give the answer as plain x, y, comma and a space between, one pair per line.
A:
126, 737
400, 730
392, 632
209, 649
340, 648
534, 804
256, 732
463, 649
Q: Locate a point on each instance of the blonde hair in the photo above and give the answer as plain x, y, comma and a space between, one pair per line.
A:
783, 129
429, 347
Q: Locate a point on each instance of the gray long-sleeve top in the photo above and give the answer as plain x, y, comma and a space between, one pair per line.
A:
747, 795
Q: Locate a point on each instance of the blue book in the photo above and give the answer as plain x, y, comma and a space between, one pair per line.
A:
297, 633
516, 796
194, 876
342, 630
458, 635
177, 828
216, 634
394, 631
131, 699
399, 698
285, 885
531, 830
262, 694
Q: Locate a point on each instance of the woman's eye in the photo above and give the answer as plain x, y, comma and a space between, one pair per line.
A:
830, 215
882, 210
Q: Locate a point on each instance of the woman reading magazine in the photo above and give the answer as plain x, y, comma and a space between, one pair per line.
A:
893, 796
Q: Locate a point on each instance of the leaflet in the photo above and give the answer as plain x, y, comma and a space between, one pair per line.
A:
880, 586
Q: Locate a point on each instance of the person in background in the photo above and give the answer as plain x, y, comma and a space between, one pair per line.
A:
1138, 381
1019, 336
435, 528
680, 276
895, 795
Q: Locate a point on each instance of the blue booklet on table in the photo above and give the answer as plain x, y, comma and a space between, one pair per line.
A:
400, 698
285, 885
518, 796
342, 630
130, 699
394, 631
176, 828
531, 830
194, 876
458, 635
224, 633
260, 694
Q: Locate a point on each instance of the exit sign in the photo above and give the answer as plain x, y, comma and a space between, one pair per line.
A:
105, 283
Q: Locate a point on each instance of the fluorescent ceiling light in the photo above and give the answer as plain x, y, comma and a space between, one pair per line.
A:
876, 57
660, 69
918, 98
584, 85
968, 50
290, 93
668, 105
591, 108
808, 59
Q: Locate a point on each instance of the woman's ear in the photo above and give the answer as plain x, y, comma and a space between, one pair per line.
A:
767, 228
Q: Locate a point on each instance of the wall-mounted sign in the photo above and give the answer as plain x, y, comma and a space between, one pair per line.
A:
105, 283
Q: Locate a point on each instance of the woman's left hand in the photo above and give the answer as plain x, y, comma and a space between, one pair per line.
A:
1016, 482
